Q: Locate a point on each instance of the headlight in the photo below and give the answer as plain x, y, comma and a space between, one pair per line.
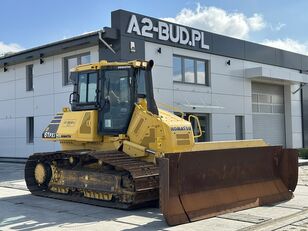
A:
138, 63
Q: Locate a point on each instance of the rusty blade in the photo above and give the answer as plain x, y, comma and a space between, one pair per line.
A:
288, 168
198, 185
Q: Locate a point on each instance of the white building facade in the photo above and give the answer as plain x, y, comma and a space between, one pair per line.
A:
237, 93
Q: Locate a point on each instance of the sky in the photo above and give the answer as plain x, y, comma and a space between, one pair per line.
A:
282, 24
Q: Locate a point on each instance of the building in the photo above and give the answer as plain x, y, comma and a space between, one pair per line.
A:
239, 89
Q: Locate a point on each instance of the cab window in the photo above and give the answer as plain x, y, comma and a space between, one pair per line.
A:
87, 87
141, 82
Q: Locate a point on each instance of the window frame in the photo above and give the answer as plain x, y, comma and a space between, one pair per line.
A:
29, 77
66, 72
207, 70
87, 105
87, 87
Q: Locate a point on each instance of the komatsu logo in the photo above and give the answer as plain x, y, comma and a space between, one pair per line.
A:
167, 32
184, 128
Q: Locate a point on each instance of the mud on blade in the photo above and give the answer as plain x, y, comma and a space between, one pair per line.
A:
203, 184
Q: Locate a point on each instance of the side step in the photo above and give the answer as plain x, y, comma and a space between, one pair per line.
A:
203, 184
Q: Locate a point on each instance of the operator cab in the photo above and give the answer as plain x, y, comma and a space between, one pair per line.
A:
112, 90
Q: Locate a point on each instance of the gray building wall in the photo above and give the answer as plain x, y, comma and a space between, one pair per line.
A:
228, 95
48, 97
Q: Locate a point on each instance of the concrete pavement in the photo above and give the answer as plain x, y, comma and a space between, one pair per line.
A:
19, 210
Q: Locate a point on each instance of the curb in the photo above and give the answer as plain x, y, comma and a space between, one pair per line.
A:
13, 160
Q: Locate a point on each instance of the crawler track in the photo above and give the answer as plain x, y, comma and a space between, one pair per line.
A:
127, 182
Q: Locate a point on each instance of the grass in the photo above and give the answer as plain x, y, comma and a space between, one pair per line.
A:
303, 153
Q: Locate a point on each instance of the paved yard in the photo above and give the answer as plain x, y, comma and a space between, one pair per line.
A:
19, 210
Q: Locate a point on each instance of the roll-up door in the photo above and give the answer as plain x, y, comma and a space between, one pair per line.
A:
268, 113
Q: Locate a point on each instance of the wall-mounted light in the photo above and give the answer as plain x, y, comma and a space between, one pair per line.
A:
5, 68
42, 58
228, 62
303, 71
159, 50
132, 47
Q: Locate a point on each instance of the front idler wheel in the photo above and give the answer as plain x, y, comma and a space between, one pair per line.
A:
42, 174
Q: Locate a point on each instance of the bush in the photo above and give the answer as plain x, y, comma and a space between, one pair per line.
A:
303, 153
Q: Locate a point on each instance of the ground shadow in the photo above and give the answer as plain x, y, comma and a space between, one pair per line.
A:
28, 212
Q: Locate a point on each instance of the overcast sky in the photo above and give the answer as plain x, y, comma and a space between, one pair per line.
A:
282, 24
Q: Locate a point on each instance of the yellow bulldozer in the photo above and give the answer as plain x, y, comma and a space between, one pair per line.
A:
119, 150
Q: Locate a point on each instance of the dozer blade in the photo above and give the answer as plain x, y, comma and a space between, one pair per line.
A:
203, 184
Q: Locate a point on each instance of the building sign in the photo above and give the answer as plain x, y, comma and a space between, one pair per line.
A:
167, 32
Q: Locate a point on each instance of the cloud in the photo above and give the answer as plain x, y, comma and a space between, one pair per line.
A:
219, 21
278, 27
288, 44
9, 48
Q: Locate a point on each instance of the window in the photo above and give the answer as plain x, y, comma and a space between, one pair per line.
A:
87, 87
71, 62
30, 130
201, 72
265, 103
204, 123
239, 127
177, 68
29, 77
141, 89
190, 70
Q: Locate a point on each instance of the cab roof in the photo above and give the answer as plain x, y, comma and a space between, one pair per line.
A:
105, 63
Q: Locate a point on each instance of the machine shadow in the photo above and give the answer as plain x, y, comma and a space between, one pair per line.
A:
28, 212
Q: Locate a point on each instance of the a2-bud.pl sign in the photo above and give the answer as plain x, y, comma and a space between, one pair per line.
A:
167, 32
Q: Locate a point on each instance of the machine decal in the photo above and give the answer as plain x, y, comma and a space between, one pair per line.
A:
51, 131
182, 128
49, 135
69, 123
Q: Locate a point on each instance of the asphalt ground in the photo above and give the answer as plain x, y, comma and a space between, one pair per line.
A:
19, 210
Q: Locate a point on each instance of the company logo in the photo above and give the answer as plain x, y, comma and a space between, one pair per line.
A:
184, 128
167, 32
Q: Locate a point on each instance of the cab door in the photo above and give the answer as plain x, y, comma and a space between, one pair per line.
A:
117, 101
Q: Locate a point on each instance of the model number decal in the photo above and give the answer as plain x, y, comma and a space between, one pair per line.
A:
49, 135
54, 135
167, 32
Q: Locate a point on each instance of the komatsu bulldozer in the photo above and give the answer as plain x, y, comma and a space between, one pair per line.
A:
119, 150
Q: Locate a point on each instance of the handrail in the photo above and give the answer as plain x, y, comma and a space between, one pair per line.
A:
198, 124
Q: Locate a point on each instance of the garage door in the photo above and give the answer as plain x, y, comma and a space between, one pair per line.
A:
268, 113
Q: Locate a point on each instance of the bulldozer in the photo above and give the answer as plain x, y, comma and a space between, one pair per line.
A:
119, 150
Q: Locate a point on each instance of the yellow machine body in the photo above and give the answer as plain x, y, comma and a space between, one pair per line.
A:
148, 137
197, 179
